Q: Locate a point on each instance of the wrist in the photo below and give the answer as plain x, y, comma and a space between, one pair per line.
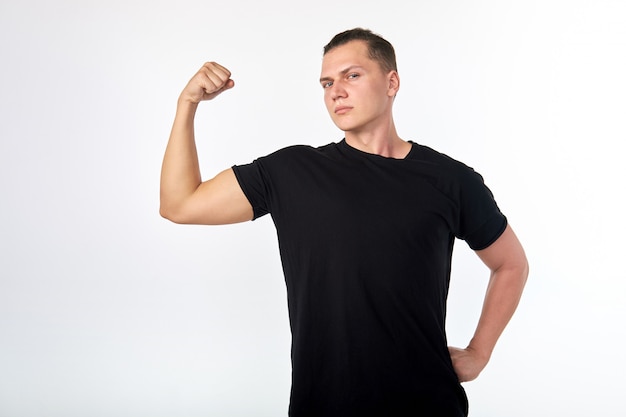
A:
186, 101
480, 351
186, 109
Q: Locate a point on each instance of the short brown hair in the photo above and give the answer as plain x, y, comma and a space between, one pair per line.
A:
380, 50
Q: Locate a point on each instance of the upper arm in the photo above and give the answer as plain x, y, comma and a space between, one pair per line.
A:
506, 252
219, 200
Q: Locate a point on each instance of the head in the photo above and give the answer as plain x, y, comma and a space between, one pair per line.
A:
378, 48
360, 81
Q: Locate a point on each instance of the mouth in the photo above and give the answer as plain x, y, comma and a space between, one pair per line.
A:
342, 109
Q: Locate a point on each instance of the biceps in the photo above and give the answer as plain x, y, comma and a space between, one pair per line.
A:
505, 252
218, 201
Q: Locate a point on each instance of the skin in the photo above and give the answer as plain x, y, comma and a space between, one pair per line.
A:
508, 267
184, 197
359, 96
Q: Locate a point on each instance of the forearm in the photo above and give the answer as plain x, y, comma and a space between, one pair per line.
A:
501, 300
180, 172
507, 262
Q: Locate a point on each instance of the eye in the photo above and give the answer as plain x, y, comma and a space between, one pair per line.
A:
327, 84
353, 76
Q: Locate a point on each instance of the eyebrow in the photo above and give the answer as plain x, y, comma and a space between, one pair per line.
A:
342, 72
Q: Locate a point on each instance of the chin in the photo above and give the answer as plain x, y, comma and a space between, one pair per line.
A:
346, 127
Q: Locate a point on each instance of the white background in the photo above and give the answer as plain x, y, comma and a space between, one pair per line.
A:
106, 309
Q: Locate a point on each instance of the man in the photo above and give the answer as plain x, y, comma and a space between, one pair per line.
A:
366, 228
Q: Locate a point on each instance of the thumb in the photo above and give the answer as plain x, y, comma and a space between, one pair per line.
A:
229, 84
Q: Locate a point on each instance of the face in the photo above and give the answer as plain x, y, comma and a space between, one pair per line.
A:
357, 92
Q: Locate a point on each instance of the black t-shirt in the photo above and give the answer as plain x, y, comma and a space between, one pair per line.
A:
366, 245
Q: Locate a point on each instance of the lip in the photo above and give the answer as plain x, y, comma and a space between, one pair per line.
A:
342, 109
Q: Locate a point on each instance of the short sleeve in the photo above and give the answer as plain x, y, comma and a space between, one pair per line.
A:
252, 181
480, 220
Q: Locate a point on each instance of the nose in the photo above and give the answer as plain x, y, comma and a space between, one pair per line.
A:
338, 91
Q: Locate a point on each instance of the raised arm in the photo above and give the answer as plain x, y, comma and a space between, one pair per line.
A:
509, 269
184, 197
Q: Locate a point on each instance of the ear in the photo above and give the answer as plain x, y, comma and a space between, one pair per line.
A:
393, 82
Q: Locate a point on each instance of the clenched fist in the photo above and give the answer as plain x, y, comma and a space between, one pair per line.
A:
211, 80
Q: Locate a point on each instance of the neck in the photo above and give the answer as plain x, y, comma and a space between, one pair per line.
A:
384, 142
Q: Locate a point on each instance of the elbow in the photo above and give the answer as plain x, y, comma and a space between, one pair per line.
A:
171, 208
170, 213
525, 271
166, 214
515, 271
524, 267
520, 272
